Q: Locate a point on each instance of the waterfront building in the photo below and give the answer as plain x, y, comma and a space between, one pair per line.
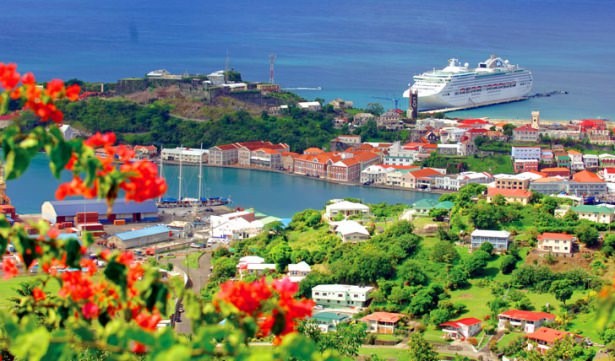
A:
420, 179
315, 165
149, 152
346, 208
298, 271
598, 214
533, 153
461, 329
260, 154
375, 174
528, 321
544, 338
396, 178
141, 237
56, 211
225, 154
188, 155
510, 195
559, 243
351, 231
382, 322
455, 181
499, 239
288, 161
313, 151
348, 168
341, 295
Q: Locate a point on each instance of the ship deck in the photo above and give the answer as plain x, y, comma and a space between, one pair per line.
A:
473, 106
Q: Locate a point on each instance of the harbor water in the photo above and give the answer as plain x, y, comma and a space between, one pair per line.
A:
271, 193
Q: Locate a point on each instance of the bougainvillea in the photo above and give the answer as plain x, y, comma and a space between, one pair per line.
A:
113, 311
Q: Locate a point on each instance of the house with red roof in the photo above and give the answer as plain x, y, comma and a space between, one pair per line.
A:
315, 165
382, 322
461, 329
525, 165
560, 243
510, 195
420, 179
544, 338
528, 321
475, 123
145, 151
526, 133
247, 157
586, 183
225, 154
556, 171
608, 174
288, 161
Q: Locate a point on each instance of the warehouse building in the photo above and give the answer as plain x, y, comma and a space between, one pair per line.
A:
66, 210
141, 237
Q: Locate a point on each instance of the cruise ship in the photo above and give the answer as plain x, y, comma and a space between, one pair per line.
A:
458, 86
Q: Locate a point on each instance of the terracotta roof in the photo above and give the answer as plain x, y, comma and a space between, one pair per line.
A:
425, 172
226, 146
609, 170
549, 180
572, 151
515, 193
555, 169
478, 130
399, 166
547, 335
525, 128
469, 321
313, 150
527, 315
557, 236
291, 154
267, 150
586, 176
473, 121
383, 317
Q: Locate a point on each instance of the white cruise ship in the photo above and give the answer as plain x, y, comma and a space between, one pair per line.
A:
459, 87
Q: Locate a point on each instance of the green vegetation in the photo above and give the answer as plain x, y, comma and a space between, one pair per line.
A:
192, 260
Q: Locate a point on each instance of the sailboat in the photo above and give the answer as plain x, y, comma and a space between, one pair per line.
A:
181, 201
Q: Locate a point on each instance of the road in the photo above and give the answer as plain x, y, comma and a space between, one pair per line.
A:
197, 280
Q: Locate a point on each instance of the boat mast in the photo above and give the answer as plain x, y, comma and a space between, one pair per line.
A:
161, 174
179, 197
200, 171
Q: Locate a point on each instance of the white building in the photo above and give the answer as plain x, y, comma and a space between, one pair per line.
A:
217, 77
499, 239
351, 231
398, 155
346, 208
68, 132
298, 271
608, 174
456, 181
590, 161
449, 149
451, 134
341, 295
309, 105
528, 321
526, 153
375, 174
188, 155
561, 243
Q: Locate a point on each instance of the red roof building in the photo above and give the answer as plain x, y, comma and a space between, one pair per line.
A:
462, 328
560, 243
557, 171
592, 124
510, 195
586, 176
528, 321
544, 338
382, 322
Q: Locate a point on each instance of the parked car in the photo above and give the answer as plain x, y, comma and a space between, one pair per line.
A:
197, 245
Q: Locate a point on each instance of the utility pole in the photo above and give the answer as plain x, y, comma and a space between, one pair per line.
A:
271, 68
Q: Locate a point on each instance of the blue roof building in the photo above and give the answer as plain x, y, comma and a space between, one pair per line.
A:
141, 237
65, 211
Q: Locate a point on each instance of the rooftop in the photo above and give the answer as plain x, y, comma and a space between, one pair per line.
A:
383, 317
548, 335
527, 315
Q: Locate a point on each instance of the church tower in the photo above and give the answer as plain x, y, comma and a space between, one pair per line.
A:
536, 119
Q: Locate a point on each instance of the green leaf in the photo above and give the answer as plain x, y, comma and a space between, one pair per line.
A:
17, 162
31, 345
59, 157
138, 334
175, 353
116, 273
73, 252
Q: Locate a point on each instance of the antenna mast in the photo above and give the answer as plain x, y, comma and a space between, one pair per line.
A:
271, 68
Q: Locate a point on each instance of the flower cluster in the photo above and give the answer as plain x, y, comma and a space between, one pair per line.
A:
38, 99
138, 179
254, 299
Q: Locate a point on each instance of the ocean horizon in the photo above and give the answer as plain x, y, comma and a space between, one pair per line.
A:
360, 50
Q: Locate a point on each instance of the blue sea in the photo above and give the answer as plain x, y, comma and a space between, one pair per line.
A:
359, 50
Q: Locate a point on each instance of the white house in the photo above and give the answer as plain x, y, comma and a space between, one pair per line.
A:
298, 271
608, 174
341, 295
68, 132
528, 321
499, 239
188, 155
309, 105
562, 243
598, 214
346, 208
351, 231
462, 328
375, 174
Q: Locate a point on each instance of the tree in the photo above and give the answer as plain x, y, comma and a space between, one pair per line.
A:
457, 278
420, 349
438, 214
562, 289
508, 264
444, 252
281, 256
487, 247
476, 264
586, 234
347, 338
507, 129
608, 245
375, 108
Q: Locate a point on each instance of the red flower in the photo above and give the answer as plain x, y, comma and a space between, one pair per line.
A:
247, 297
138, 348
89, 311
9, 77
101, 140
38, 294
148, 321
72, 92
28, 79
55, 87
9, 268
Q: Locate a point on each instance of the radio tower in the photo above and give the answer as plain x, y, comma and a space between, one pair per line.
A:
271, 72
